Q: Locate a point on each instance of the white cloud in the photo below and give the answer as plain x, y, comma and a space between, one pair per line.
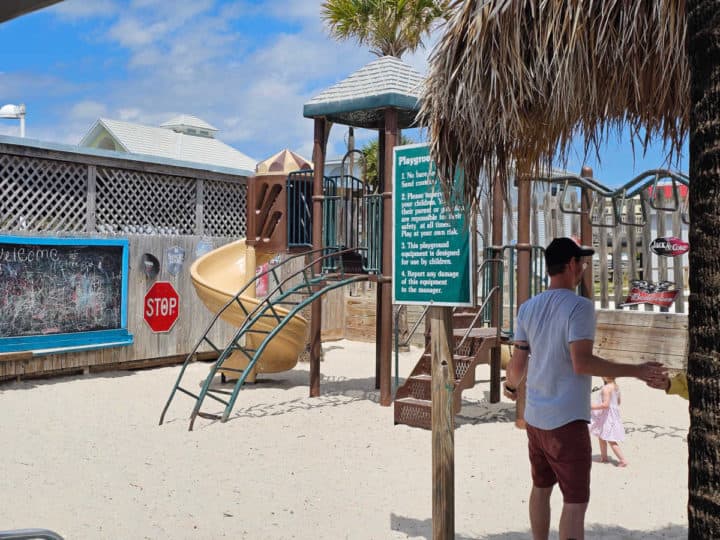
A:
84, 9
187, 56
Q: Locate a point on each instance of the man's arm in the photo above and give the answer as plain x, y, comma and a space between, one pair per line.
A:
516, 369
586, 363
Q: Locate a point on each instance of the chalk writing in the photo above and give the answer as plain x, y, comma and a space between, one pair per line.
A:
59, 289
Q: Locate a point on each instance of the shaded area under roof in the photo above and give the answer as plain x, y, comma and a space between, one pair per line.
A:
359, 100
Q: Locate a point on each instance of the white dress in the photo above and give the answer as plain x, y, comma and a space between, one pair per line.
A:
606, 423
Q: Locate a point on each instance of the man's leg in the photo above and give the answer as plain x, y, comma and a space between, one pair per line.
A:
572, 521
540, 512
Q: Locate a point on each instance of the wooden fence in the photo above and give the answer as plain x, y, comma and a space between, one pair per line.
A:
55, 191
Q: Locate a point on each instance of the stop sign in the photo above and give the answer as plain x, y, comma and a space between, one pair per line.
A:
161, 307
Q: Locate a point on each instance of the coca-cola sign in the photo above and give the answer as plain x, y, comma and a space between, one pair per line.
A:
646, 292
669, 246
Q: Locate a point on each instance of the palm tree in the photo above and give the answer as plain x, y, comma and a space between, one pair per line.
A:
370, 153
389, 27
514, 80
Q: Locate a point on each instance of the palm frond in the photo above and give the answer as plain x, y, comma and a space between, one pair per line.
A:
512, 82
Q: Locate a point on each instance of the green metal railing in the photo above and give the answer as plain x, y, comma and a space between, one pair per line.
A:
373, 232
537, 282
285, 296
638, 186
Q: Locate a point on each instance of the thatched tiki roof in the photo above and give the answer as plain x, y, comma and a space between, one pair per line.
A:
512, 81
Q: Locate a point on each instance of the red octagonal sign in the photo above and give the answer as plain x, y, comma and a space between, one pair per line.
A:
161, 307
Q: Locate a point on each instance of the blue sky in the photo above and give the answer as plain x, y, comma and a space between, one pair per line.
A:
246, 67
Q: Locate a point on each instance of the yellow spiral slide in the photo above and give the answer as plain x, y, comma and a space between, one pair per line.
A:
217, 277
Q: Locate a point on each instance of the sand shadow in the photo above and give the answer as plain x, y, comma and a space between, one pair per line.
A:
337, 391
422, 528
656, 430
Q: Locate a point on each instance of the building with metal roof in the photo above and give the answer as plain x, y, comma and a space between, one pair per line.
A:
183, 138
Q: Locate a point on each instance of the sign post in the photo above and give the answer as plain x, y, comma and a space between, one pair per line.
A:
161, 306
432, 264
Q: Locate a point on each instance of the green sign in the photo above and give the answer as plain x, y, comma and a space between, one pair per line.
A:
432, 262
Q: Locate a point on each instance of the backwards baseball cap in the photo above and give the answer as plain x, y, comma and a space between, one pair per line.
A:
561, 250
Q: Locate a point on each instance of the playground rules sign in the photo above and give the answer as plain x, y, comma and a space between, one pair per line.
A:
432, 249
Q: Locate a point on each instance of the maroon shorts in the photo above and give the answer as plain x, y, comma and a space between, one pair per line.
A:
562, 455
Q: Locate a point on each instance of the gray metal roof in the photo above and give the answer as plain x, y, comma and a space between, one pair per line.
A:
85, 150
358, 100
166, 143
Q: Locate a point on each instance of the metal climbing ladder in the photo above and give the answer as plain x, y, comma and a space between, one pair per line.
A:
281, 304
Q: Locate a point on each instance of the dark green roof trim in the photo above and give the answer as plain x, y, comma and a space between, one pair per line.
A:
382, 101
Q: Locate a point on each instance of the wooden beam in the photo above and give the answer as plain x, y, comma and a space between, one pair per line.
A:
16, 356
523, 276
443, 424
586, 285
319, 147
498, 205
385, 297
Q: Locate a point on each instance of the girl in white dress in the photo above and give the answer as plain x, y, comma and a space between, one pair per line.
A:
606, 423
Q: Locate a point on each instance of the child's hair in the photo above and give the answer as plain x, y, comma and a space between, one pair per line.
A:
607, 380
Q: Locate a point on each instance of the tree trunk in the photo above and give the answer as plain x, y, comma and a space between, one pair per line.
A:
703, 39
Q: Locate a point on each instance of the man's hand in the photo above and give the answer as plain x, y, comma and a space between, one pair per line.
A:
663, 383
654, 374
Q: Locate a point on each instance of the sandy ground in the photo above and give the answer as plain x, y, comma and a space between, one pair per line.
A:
85, 456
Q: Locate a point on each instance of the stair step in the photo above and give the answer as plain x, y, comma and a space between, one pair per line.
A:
413, 412
461, 363
420, 386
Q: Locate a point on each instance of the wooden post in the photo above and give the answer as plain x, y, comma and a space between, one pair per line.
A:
443, 424
385, 308
586, 285
91, 216
497, 307
523, 275
316, 307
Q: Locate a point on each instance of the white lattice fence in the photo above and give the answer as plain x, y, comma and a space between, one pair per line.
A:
42, 194
64, 195
144, 203
225, 208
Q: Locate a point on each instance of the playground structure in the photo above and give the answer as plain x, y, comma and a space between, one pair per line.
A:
340, 231
217, 276
332, 232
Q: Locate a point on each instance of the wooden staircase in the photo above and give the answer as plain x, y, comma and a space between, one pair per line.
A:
413, 399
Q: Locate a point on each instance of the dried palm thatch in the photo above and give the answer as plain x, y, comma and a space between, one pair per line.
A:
512, 81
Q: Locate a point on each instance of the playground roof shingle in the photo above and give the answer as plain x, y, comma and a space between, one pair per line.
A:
359, 99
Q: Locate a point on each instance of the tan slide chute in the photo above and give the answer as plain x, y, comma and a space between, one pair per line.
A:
217, 277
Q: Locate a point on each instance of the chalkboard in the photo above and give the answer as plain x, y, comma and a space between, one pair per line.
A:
61, 286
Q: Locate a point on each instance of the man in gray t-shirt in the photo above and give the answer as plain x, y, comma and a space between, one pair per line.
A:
553, 340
